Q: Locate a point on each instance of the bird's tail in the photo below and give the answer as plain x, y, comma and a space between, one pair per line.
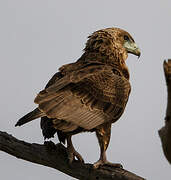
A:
36, 113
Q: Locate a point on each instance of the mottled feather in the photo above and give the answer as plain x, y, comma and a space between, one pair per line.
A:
89, 94
95, 96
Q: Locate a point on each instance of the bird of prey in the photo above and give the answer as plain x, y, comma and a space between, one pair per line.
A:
89, 94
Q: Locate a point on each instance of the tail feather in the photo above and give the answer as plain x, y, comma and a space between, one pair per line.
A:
36, 113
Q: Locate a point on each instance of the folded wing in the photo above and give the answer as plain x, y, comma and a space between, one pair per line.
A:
87, 97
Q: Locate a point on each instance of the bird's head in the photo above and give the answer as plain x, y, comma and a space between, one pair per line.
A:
112, 41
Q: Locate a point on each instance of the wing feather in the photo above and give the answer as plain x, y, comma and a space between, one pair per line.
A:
87, 98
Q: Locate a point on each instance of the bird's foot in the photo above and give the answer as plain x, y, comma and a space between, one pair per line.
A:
101, 162
72, 154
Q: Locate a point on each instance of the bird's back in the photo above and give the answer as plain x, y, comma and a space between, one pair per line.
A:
93, 100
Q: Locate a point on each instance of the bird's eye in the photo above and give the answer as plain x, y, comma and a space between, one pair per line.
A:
126, 38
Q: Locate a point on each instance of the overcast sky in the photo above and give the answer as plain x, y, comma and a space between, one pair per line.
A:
38, 36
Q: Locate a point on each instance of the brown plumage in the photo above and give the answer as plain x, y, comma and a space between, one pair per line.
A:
88, 95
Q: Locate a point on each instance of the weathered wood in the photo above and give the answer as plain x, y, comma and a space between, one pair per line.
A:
165, 132
55, 156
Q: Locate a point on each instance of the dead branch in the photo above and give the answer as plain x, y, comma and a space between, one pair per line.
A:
165, 132
55, 156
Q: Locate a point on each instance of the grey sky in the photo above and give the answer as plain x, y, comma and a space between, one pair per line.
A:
38, 36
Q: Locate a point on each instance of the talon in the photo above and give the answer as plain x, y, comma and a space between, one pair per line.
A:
72, 153
97, 164
106, 163
78, 156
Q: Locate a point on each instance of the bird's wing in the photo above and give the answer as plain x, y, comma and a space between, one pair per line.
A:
46, 123
87, 97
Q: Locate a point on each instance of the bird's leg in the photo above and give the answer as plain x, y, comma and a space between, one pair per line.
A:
72, 153
103, 134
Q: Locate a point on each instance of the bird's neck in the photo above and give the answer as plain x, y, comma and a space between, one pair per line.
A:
116, 61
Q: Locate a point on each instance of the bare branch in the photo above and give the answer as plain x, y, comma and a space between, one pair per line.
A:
165, 132
55, 156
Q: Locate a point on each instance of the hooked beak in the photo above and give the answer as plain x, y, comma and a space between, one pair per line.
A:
132, 48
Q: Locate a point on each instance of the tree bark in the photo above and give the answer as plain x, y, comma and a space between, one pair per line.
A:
165, 132
55, 156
